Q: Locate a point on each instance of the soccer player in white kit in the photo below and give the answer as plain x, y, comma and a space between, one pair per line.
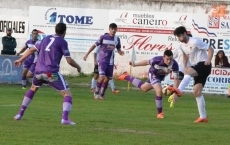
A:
178, 56
200, 55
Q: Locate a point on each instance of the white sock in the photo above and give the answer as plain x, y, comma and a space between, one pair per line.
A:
111, 84
201, 106
93, 83
184, 83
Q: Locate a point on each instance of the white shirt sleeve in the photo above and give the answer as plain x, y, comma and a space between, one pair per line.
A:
201, 45
96, 49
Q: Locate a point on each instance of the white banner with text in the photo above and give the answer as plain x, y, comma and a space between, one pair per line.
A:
19, 26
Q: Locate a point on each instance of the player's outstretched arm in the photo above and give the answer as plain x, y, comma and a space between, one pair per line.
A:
185, 61
21, 51
89, 51
18, 62
142, 63
73, 63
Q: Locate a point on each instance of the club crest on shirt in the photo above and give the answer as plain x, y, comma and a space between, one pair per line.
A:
110, 47
161, 72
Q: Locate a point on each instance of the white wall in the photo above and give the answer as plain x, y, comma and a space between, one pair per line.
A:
21, 8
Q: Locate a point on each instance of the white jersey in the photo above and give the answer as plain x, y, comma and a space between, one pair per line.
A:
196, 50
178, 56
96, 50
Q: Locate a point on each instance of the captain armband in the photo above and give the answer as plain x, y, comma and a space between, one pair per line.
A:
176, 75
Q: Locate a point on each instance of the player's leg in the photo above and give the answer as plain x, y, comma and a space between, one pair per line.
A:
158, 99
31, 70
26, 66
198, 87
59, 83
101, 69
24, 73
104, 88
191, 72
136, 82
109, 76
170, 99
113, 87
199, 82
28, 97
94, 79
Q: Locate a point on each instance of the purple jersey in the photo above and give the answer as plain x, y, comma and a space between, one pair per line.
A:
158, 66
51, 49
107, 45
32, 58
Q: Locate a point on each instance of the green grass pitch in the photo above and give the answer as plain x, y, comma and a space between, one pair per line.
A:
128, 118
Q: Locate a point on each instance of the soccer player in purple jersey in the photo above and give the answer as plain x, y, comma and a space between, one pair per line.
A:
160, 66
108, 42
29, 63
51, 49
96, 74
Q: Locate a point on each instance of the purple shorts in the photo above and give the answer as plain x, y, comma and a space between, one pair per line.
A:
27, 63
153, 79
56, 80
105, 70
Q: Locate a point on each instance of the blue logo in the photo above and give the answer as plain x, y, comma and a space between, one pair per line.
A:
50, 13
52, 16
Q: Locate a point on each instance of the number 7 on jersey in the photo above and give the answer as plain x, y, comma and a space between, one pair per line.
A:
51, 42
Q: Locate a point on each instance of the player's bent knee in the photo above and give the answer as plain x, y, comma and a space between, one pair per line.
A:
191, 72
144, 89
24, 73
159, 93
34, 88
197, 93
29, 75
65, 93
198, 90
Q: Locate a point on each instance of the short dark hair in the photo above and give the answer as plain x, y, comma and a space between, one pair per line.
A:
113, 25
190, 35
180, 30
34, 30
168, 53
60, 28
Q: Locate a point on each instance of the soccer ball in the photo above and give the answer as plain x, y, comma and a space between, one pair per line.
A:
165, 90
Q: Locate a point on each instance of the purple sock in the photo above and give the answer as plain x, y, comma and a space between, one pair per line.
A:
67, 105
98, 88
158, 101
136, 82
24, 80
103, 88
26, 101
